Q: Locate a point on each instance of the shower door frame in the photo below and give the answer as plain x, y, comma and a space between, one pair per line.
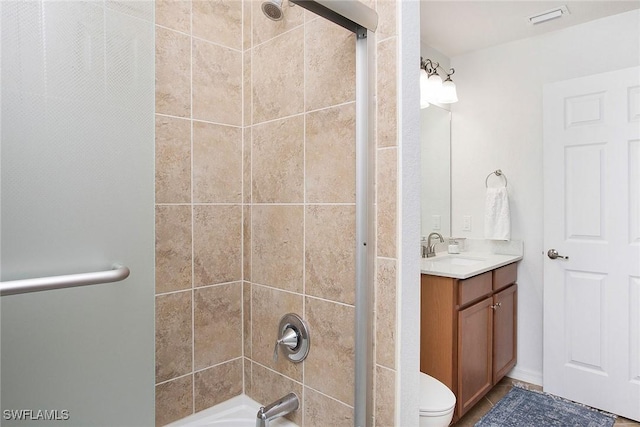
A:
361, 20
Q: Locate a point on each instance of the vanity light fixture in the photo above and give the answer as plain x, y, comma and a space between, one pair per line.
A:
432, 88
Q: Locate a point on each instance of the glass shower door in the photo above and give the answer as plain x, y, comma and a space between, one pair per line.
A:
77, 196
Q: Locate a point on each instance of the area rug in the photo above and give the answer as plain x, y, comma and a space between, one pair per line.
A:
526, 408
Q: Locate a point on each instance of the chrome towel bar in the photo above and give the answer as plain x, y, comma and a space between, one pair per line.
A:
13, 287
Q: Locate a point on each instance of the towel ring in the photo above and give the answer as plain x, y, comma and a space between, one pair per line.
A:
497, 172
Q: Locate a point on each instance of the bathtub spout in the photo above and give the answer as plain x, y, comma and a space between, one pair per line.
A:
279, 408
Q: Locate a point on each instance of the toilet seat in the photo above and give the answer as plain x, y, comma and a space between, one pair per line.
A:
435, 398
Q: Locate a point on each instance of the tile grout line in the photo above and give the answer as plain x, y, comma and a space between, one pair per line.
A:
304, 195
193, 276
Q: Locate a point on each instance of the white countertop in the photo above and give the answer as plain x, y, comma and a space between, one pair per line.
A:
465, 264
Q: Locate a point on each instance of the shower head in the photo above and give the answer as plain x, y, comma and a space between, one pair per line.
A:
273, 9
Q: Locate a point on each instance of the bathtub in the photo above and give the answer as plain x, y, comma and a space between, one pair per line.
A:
239, 411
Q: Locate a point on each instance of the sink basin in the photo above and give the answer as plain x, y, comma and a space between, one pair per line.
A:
458, 260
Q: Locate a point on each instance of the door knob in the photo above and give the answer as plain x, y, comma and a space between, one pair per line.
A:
553, 254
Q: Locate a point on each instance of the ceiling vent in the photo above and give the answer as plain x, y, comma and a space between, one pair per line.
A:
547, 15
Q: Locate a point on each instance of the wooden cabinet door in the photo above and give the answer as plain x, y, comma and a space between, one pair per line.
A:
474, 353
504, 332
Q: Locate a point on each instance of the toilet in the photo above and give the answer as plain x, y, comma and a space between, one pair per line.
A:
437, 402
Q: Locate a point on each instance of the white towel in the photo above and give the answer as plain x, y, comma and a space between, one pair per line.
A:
497, 219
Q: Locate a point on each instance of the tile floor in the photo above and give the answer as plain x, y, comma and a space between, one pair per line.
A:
498, 392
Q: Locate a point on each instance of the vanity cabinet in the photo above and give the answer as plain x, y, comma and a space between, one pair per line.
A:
468, 332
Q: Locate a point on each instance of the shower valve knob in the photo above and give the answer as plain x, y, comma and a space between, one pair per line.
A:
293, 337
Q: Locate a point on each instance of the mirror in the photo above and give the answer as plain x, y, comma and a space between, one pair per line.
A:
435, 142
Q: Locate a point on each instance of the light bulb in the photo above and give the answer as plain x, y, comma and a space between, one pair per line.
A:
434, 86
448, 93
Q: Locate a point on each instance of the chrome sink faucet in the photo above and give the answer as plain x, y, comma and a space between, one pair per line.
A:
279, 408
431, 248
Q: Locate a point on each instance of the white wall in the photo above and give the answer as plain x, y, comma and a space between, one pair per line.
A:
497, 124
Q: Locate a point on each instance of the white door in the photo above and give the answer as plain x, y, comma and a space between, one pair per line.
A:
592, 216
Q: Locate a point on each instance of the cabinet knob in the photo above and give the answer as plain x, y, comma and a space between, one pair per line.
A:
496, 306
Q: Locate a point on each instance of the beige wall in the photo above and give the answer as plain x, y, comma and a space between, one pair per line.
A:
255, 217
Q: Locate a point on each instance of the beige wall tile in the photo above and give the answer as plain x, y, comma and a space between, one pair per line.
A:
173, 160
387, 110
277, 157
278, 76
217, 241
217, 163
330, 64
265, 29
247, 93
247, 23
268, 306
173, 248
174, 14
174, 400
217, 384
173, 335
277, 248
386, 18
173, 73
217, 324
218, 21
321, 411
267, 386
384, 411
330, 151
246, 167
246, 318
387, 202
330, 252
329, 366
246, 244
247, 377
217, 83
386, 312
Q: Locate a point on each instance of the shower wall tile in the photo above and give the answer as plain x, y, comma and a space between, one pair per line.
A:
277, 246
217, 324
330, 154
217, 244
173, 335
246, 242
246, 24
387, 110
330, 252
174, 400
173, 160
217, 83
330, 366
267, 386
246, 318
277, 161
173, 71
384, 411
330, 72
268, 306
217, 163
264, 29
173, 248
387, 203
247, 93
386, 19
217, 384
386, 312
174, 14
247, 377
218, 21
246, 165
322, 411
278, 87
